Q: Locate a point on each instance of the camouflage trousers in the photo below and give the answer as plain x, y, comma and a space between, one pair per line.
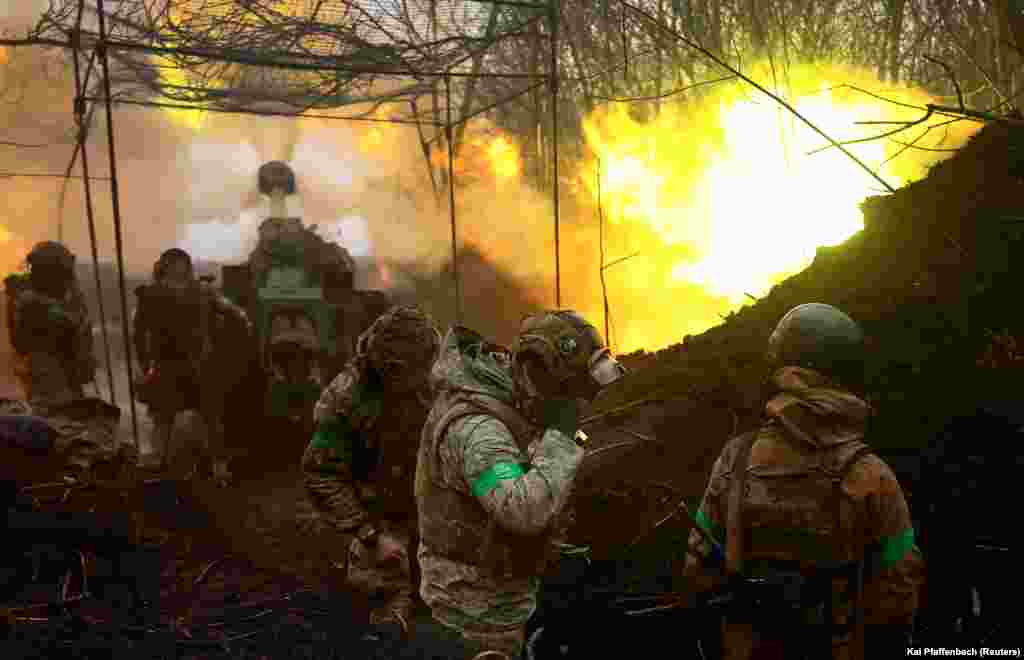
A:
178, 390
188, 457
330, 514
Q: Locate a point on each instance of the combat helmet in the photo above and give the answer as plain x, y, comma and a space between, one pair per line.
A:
276, 175
166, 257
820, 337
571, 350
404, 336
51, 255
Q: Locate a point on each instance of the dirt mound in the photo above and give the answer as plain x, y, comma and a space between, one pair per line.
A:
931, 279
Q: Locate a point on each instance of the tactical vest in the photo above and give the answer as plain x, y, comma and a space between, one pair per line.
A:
384, 456
52, 329
178, 325
792, 520
454, 524
797, 511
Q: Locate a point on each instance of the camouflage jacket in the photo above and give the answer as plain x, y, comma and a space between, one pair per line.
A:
361, 461
480, 458
49, 334
168, 328
809, 427
286, 242
84, 432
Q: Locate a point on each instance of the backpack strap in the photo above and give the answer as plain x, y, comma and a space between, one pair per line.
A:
839, 476
735, 531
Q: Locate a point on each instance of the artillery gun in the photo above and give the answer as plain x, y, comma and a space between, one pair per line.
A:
299, 291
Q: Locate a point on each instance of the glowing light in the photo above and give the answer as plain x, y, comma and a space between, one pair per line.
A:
485, 156
722, 198
504, 158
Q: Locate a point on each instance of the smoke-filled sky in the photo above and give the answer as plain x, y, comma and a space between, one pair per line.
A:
704, 204
170, 175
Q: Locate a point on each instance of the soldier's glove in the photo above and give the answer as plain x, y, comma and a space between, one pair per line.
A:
389, 549
562, 415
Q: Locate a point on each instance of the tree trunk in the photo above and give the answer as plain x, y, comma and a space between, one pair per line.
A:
758, 37
891, 54
659, 66
1007, 30
571, 36
715, 26
471, 82
536, 104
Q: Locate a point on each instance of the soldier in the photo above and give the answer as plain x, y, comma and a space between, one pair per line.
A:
813, 490
360, 464
497, 460
50, 328
175, 323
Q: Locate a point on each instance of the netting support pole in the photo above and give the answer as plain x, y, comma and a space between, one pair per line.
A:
116, 203
553, 78
81, 122
451, 198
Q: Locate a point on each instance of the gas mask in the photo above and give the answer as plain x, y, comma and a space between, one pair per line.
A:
559, 354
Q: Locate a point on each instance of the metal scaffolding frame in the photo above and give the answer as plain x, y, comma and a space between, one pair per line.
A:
98, 46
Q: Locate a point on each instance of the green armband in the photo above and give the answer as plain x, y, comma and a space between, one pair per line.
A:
895, 548
329, 434
711, 527
488, 481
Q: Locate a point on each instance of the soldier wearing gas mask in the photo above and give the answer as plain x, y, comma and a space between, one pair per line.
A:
50, 328
175, 325
803, 492
497, 461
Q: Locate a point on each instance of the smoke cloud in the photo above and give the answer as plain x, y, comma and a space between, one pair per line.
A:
190, 180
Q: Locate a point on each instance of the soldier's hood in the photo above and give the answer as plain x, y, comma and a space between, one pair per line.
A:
816, 411
469, 362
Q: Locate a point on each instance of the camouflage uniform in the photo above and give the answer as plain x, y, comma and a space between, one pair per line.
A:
288, 240
490, 487
359, 466
52, 338
174, 335
812, 428
85, 432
